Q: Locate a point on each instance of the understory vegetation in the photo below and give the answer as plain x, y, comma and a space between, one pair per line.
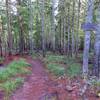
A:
12, 76
62, 65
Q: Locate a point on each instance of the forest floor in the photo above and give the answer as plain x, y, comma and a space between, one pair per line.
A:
41, 85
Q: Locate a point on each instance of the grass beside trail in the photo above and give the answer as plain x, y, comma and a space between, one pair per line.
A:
57, 69
62, 65
11, 76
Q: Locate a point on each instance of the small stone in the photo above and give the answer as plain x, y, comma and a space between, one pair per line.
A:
83, 90
60, 86
69, 88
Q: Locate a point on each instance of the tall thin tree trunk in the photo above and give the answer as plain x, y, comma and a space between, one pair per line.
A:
9, 27
61, 35
0, 37
97, 53
30, 25
21, 32
68, 46
0, 45
89, 19
53, 24
73, 35
78, 20
43, 28
64, 49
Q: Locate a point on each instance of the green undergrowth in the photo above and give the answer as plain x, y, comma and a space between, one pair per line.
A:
10, 86
73, 70
57, 69
94, 81
62, 65
55, 64
73, 67
55, 58
11, 76
37, 55
14, 68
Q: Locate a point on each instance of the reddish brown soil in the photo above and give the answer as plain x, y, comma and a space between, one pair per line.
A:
42, 86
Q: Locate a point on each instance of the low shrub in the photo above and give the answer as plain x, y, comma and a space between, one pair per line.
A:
56, 69
9, 81
10, 86
55, 58
73, 70
14, 68
36, 55
54, 64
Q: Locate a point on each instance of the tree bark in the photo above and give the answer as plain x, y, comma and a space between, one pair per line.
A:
43, 28
73, 35
9, 27
78, 22
97, 53
89, 19
0, 37
30, 25
64, 49
21, 30
68, 45
53, 24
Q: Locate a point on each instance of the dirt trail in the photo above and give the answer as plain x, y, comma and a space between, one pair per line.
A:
41, 86
36, 87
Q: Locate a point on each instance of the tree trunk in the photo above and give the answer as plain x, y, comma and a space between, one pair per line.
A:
97, 53
73, 36
64, 49
68, 46
30, 25
43, 28
61, 35
78, 19
89, 19
9, 27
0, 37
53, 24
21, 35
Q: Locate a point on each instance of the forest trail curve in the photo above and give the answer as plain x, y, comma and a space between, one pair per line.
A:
38, 86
